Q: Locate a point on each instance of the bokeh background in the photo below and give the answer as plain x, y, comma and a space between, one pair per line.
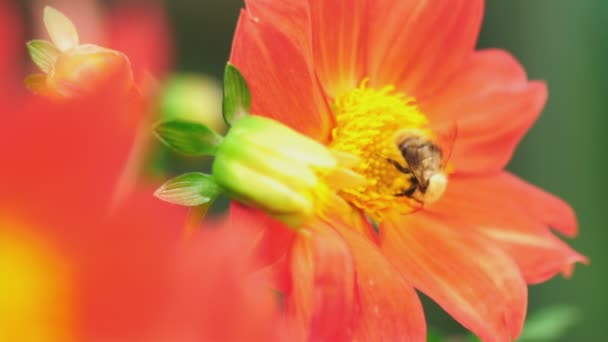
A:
561, 41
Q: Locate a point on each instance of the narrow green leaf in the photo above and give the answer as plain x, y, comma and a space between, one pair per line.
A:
190, 190
549, 324
187, 137
237, 98
43, 53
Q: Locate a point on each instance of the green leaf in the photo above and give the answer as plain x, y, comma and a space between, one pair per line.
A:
237, 98
550, 323
190, 190
472, 338
433, 336
187, 137
43, 53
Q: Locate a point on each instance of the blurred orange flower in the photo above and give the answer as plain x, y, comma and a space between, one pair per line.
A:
370, 78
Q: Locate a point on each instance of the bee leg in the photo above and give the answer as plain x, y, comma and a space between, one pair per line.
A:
409, 192
399, 167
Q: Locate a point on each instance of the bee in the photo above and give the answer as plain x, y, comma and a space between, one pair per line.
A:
425, 166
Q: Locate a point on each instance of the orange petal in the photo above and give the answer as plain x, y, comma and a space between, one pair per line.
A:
479, 285
524, 198
417, 45
270, 48
492, 105
339, 42
389, 308
321, 301
517, 216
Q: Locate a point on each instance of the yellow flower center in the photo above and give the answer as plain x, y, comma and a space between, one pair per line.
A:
368, 122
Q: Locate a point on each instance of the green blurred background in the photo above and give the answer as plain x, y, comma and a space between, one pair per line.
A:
562, 41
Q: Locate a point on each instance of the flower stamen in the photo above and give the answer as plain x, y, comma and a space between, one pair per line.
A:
367, 123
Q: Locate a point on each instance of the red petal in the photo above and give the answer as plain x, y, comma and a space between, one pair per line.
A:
64, 153
389, 308
492, 105
417, 45
270, 48
125, 28
10, 48
122, 282
218, 298
322, 298
517, 216
272, 241
339, 42
138, 281
479, 285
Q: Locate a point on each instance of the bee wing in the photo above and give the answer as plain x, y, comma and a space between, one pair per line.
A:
414, 157
445, 137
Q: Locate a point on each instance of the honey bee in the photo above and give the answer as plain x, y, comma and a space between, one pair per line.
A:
425, 166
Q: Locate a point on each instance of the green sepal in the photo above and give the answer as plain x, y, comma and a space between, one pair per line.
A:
237, 97
190, 190
188, 137
43, 53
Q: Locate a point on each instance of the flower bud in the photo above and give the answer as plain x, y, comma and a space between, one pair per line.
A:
71, 68
86, 68
270, 166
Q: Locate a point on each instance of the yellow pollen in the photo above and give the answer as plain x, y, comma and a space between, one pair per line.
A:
367, 121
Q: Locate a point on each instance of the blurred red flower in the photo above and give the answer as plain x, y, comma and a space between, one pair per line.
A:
143, 34
74, 267
353, 75
77, 265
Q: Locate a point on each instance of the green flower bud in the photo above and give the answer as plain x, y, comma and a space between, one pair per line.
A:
270, 166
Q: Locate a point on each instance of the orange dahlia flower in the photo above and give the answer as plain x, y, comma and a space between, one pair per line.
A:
368, 78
